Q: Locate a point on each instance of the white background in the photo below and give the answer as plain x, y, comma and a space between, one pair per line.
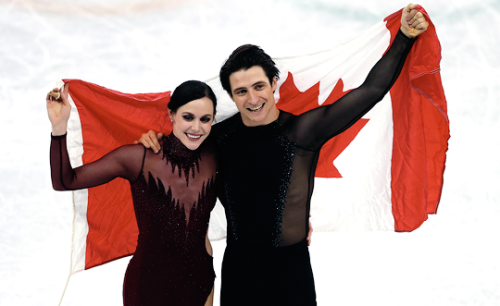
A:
151, 46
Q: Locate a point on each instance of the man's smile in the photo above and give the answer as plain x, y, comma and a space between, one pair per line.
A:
256, 109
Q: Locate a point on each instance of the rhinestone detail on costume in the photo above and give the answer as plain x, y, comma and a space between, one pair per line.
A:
181, 157
249, 154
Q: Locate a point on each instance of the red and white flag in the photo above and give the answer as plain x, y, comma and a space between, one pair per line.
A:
384, 173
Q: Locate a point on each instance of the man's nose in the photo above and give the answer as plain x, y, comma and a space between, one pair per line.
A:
253, 98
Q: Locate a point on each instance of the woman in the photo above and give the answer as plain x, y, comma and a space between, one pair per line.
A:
173, 195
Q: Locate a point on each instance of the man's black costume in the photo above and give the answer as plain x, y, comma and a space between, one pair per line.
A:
267, 177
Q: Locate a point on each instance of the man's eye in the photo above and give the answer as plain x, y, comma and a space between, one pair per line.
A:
241, 92
187, 117
260, 86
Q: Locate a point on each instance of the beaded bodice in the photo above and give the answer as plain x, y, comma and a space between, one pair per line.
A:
175, 194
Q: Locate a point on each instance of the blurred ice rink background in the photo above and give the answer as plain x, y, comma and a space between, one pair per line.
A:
151, 46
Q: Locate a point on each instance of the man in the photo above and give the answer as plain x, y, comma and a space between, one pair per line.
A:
268, 161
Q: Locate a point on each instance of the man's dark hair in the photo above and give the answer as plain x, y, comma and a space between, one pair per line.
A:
190, 91
245, 57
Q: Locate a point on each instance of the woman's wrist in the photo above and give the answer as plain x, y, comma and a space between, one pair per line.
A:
58, 130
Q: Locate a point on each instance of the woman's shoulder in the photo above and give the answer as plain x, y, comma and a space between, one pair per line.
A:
128, 151
133, 149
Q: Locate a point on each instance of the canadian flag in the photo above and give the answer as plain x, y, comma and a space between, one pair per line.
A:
383, 173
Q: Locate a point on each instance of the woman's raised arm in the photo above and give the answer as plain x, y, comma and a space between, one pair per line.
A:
125, 161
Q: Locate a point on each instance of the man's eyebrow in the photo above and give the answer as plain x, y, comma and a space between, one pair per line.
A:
258, 83
239, 88
243, 87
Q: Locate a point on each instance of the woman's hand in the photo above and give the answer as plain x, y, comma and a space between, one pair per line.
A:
58, 111
413, 22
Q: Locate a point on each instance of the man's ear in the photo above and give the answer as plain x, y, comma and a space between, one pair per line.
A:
230, 95
274, 84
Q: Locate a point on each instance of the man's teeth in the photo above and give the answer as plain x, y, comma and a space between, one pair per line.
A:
193, 136
257, 108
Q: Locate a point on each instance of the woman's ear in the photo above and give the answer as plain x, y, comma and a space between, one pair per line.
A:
171, 114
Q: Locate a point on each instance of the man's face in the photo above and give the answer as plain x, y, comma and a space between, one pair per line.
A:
254, 96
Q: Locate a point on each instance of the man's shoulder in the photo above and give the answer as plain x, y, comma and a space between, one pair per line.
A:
222, 127
285, 118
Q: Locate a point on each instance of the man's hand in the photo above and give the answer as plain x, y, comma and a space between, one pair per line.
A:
413, 22
150, 140
310, 232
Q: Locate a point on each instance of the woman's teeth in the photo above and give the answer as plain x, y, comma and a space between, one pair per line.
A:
193, 136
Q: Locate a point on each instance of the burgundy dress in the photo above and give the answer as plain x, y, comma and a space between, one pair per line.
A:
173, 194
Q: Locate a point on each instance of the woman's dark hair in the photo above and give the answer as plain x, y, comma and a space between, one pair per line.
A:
245, 57
190, 91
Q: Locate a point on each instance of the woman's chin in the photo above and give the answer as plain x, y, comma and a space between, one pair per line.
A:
192, 144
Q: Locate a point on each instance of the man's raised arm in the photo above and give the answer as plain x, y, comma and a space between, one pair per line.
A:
312, 129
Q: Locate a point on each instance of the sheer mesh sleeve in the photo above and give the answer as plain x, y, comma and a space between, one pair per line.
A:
125, 162
312, 129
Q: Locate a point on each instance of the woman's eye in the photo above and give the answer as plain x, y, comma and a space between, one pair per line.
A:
187, 117
205, 119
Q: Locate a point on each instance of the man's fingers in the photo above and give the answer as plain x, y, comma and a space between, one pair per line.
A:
411, 13
153, 139
411, 7
423, 26
150, 140
154, 144
417, 19
412, 16
144, 142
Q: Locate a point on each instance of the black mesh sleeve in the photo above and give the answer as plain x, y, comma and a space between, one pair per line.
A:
125, 162
312, 129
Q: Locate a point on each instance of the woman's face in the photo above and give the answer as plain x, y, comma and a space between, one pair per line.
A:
192, 122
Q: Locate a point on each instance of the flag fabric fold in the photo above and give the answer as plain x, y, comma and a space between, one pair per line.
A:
383, 173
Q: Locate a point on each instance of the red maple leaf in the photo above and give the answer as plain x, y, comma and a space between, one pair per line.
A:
296, 102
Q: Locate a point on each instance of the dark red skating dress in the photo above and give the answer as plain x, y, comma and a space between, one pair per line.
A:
173, 194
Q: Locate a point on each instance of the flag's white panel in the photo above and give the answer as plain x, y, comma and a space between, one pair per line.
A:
351, 61
80, 197
225, 106
217, 228
80, 230
363, 195
361, 199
